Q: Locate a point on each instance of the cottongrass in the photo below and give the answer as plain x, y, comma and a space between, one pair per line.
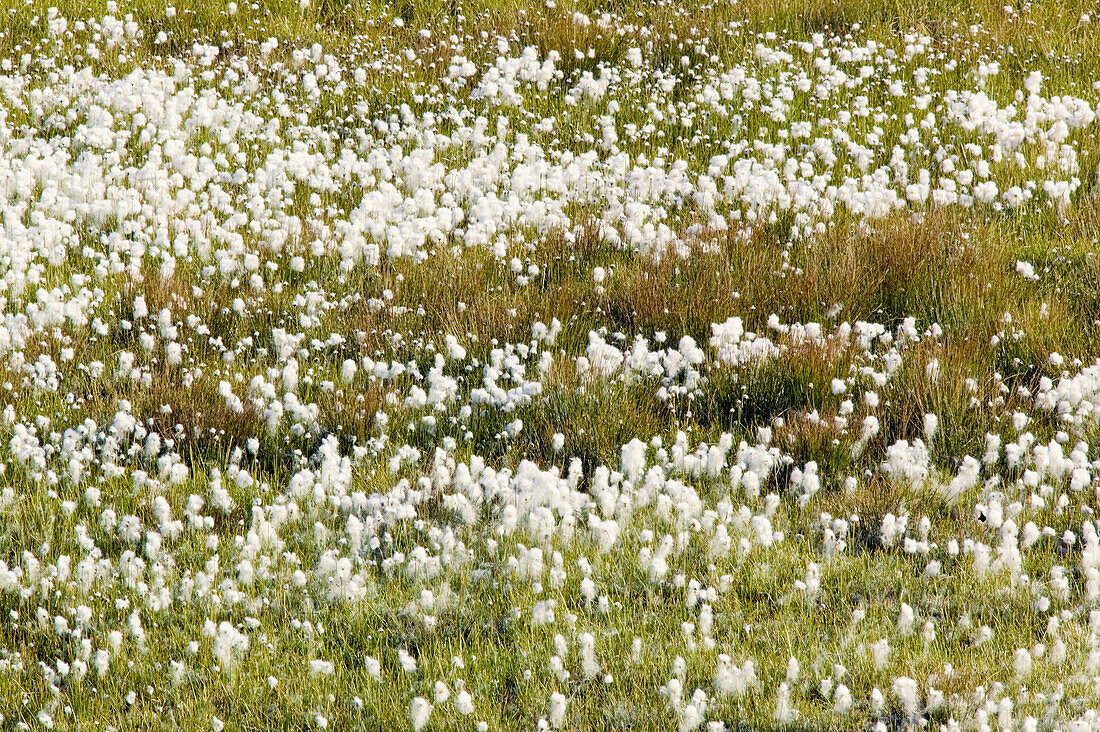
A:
251, 415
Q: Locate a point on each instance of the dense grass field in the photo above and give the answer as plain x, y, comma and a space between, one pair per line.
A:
518, 365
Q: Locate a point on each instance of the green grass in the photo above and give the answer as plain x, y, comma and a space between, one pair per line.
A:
947, 267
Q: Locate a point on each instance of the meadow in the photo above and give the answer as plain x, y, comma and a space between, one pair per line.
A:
549, 365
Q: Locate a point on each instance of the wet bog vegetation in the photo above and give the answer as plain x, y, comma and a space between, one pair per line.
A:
549, 365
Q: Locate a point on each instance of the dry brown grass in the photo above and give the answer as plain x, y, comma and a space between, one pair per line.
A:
935, 268
350, 412
738, 276
199, 416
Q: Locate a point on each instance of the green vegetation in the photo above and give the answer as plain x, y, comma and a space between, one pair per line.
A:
572, 365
